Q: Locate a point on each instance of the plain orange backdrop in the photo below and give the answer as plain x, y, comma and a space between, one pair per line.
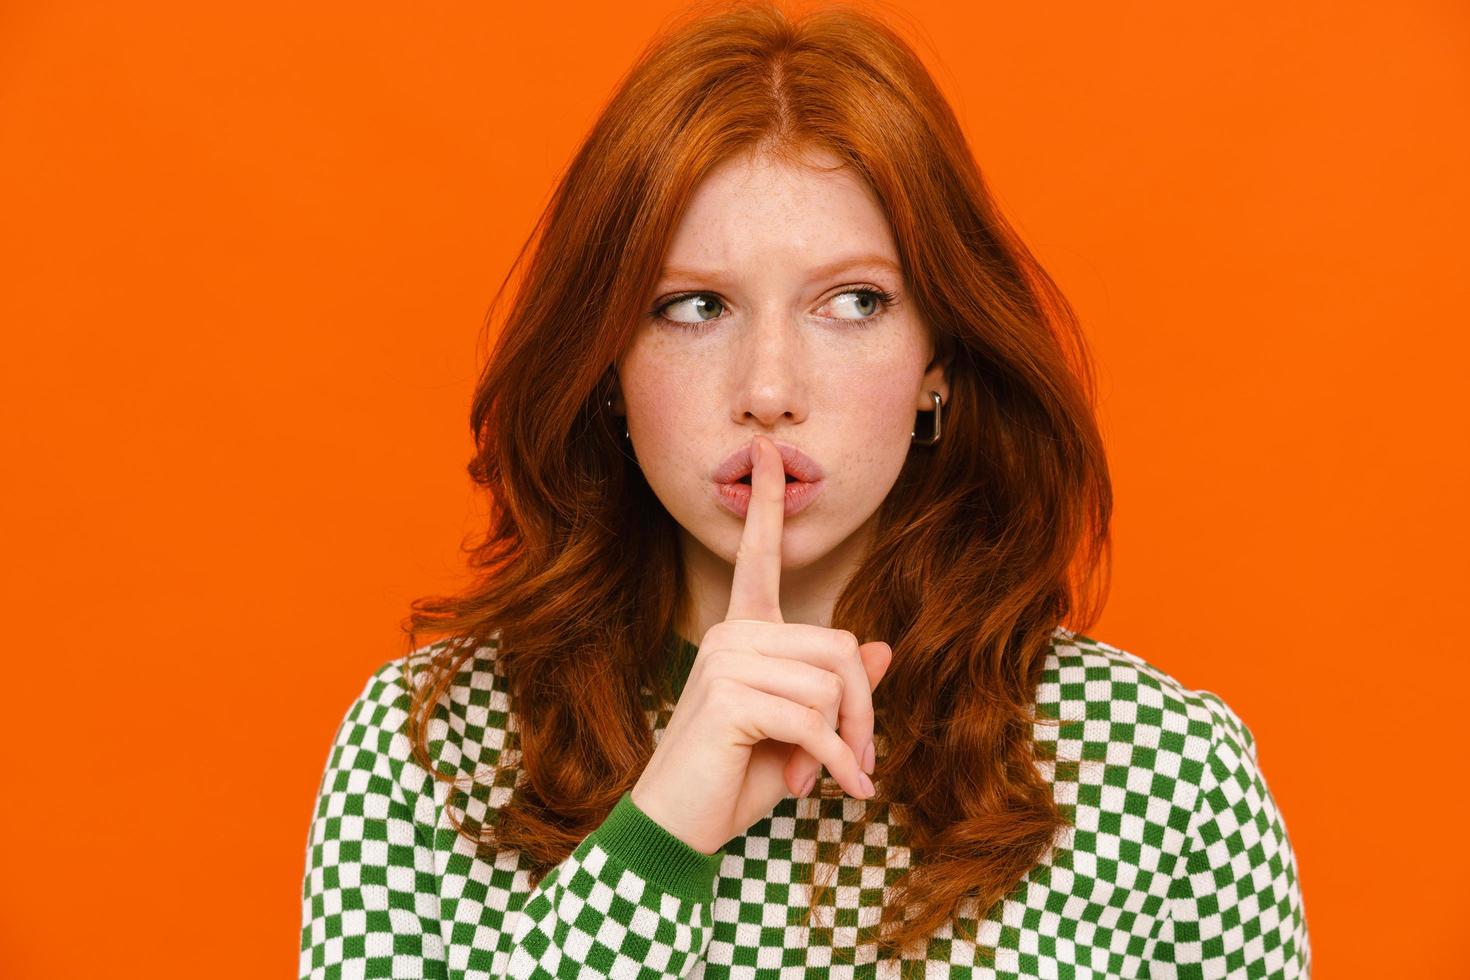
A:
247, 255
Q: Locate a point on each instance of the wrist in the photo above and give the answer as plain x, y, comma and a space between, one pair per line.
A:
651, 808
635, 842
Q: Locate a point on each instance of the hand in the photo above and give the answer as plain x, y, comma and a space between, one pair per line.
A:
755, 720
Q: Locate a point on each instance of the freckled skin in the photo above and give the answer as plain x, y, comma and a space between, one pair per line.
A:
777, 352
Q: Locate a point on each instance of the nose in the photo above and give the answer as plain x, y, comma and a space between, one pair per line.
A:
770, 372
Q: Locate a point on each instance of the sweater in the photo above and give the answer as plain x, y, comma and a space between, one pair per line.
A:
1177, 862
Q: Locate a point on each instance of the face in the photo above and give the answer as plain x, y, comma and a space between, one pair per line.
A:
769, 320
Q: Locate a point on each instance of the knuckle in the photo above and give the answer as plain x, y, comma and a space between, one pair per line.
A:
717, 666
721, 689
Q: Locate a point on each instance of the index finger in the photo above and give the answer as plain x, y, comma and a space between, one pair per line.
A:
755, 592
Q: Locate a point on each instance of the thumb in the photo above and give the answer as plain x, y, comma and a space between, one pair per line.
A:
877, 658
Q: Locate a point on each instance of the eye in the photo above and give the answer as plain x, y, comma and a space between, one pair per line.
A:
867, 307
700, 303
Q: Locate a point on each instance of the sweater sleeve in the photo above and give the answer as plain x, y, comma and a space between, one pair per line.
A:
632, 901
379, 899
1235, 903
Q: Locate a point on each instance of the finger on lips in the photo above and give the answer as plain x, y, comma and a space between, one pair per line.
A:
755, 597
755, 592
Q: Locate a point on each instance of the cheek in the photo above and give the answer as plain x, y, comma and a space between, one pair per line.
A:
876, 398
663, 400
654, 377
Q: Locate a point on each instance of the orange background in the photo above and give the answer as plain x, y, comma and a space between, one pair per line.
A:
247, 254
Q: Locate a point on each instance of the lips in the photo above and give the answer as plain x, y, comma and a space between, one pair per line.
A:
735, 496
796, 463
746, 479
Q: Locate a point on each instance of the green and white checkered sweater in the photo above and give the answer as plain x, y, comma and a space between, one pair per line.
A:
1178, 865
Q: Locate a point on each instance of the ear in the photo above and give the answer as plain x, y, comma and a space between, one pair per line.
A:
936, 378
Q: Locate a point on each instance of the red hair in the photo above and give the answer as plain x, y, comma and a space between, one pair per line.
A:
987, 542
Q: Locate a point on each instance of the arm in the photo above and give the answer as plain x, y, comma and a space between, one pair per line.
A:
632, 895
1235, 903
380, 900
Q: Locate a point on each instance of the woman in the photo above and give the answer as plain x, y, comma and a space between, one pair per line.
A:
778, 378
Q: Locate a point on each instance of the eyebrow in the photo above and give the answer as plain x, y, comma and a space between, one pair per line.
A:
822, 272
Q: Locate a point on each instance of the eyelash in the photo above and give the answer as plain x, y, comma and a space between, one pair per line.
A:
887, 297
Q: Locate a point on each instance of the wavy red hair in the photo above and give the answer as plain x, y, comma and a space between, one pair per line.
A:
986, 543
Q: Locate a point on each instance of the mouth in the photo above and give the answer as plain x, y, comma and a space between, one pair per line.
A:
732, 487
734, 495
799, 467
746, 479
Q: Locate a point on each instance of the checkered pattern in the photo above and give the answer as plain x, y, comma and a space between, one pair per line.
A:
609, 918
1178, 863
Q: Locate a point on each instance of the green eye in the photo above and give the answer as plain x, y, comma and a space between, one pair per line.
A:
870, 295
702, 303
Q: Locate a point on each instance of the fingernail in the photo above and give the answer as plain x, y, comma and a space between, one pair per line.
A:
869, 758
867, 785
810, 782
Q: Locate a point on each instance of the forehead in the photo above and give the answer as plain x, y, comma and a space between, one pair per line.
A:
757, 213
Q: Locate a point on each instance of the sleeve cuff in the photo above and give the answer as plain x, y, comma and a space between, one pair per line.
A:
642, 845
